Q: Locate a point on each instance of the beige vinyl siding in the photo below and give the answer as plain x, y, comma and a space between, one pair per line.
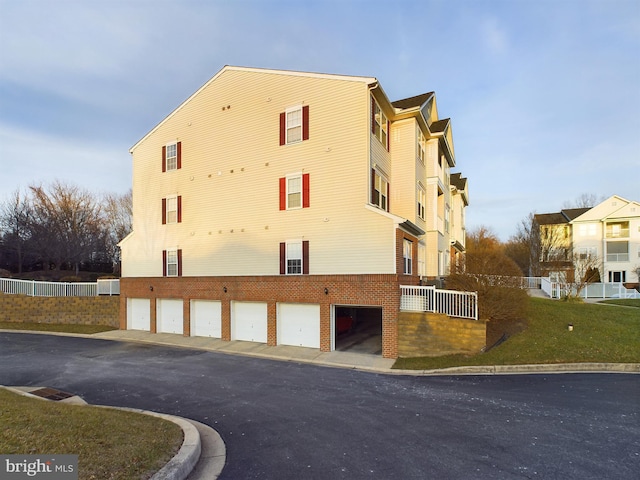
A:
229, 181
408, 170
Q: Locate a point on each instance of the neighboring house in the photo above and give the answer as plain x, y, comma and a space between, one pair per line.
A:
274, 206
608, 234
555, 243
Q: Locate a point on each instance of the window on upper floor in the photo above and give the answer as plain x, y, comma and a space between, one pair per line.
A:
447, 217
294, 125
379, 124
407, 256
172, 262
421, 145
172, 156
587, 229
422, 198
585, 253
172, 209
379, 190
295, 191
617, 230
294, 257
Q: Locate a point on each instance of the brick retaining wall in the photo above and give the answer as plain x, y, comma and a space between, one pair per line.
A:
71, 310
434, 334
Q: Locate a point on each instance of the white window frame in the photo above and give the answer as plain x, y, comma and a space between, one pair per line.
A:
172, 156
407, 256
421, 145
422, 200
293, 125
585, 253
422, 256
380, 125
172, 210
172, 262
291, 193
293, 257
381, 185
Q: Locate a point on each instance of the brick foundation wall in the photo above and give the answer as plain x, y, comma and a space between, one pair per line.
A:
361, 290
434, 334
72, 310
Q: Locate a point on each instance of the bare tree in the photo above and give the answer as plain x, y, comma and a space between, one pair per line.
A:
66, 223
584, 200
15, 217
118, 218
585, 270
522, 247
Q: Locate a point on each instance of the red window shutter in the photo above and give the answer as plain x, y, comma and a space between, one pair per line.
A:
283, 258
179, 154
305, 257
179, 262
283, 128
179, 208
164, 263
388, 197
373, 115
305, 122
283, 193
373, 186
305, 190
164, 158
164, 211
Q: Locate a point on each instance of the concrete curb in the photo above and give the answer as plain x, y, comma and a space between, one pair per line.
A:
191, 458
528, 369
183, 462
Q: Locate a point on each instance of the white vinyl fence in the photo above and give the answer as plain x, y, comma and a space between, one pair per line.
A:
592, 290
431, 299
59, 289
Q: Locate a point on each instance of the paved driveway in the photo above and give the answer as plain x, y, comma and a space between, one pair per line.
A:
282, 420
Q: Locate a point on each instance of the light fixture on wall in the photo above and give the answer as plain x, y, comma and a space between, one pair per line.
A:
151, 288
224, 289
326, 291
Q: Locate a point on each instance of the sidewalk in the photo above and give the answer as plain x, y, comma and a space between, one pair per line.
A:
355, 361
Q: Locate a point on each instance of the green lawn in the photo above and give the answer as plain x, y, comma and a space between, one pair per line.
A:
601, 333
112, 444
625, 302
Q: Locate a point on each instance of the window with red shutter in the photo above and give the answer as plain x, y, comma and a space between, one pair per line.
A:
294, 125
294, 191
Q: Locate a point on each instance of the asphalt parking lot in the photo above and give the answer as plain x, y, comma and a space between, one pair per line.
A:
289, 420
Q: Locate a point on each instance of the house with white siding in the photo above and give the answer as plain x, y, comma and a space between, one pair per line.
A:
610, 233
287, 207
607, 236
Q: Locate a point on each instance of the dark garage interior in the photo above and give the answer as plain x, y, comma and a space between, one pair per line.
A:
358, 329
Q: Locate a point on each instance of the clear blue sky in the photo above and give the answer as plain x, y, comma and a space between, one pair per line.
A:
544, 95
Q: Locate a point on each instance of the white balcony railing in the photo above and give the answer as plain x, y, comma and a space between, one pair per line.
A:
431, 299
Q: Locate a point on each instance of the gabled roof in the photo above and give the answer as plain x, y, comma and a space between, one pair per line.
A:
439, 126
226, 68
412, 102
563, 216
613, 207
458, 181
573, 213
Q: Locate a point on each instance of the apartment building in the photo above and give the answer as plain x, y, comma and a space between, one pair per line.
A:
274, 206
607, 234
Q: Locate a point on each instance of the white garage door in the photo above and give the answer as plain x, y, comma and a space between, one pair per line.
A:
299, 324
206, 318
169, 316
138, 314
249, 321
